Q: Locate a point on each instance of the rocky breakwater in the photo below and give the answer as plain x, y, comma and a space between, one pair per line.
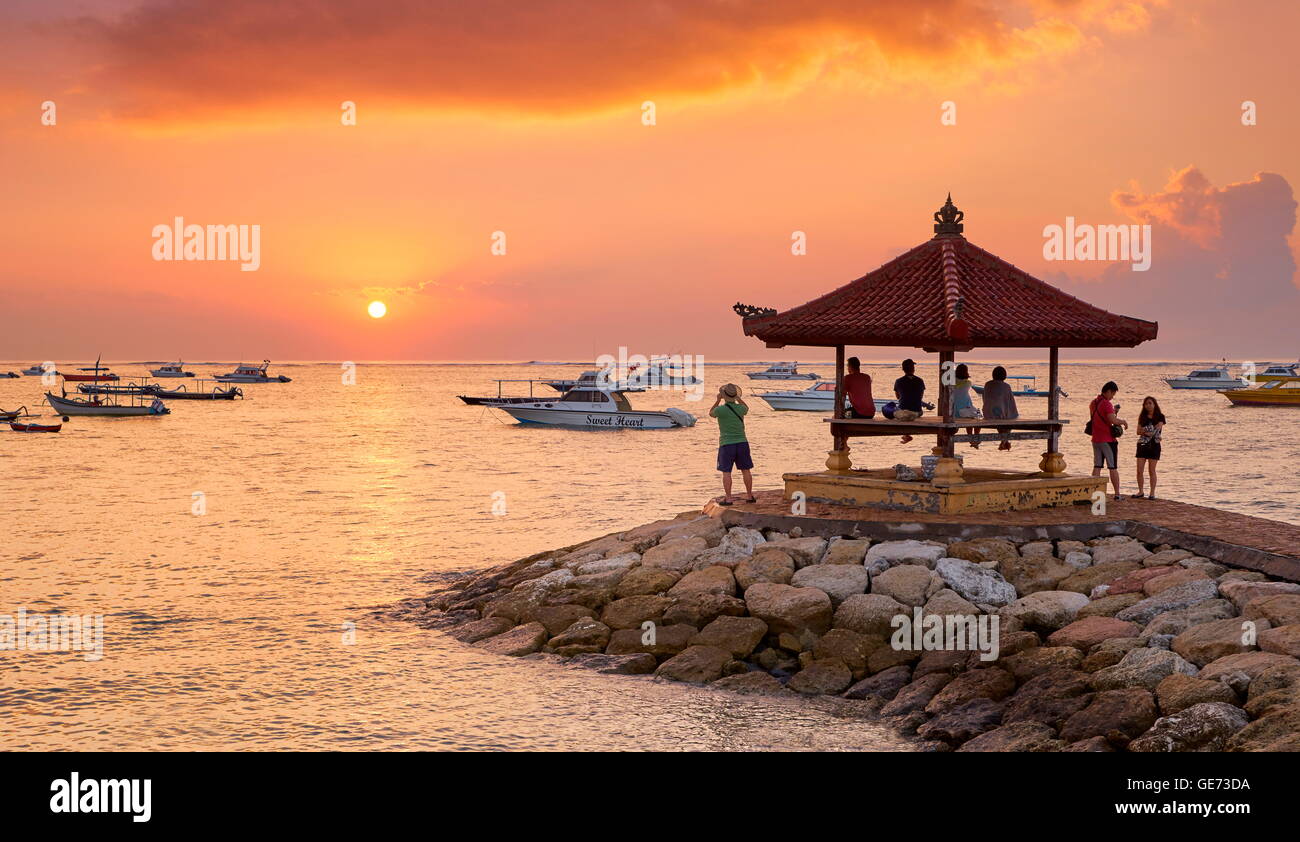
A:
1106, 645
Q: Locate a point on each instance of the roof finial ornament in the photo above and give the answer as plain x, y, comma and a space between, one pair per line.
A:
948, 219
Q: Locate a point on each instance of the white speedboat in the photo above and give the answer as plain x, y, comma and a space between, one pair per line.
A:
249, 373
1030, 390
657, 375
594, 409
1204, 378
39, 369
782, 371
819, 397
175, 369
135, 405
592, 380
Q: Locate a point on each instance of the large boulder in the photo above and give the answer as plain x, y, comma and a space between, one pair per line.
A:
476, 630
838, 581
1242, 593
675, 555
1278, 609
846, 550
884, 684
847, 646
1085, 580
1278, 729
638, 664
949, 602
821, 678
1180, 620
701, 608
992, 683
1120, 551
1135, 581
1117, 715
695, 665
973, 582
1215, 639
915, 696
586, 636
768, 564
1051, 697
1180, 691
1238, 671
521, 640
755, 682
789, 609
1178, 577
870, 614
1018, 736
1088, 632
664, 642
1109, 605
557, 618
1166, 557
1182, 596
963, 722
1275, 685
632, 611
715, 579
623, 562
910, 584
983, 550
1141, 668
804, 551
1202, 727
708, 529
1284, 640
743, 539
1034, 573
1045, 611
894, 553
646, 581
737, 635
1039, 659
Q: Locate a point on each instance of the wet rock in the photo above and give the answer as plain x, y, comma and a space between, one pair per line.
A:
983, 550
917, 695
846, 550
992, 683
1179, 692
1088, 632
646, 581
1083, 581
700, 609
695, 665
477, 630
870, 614
1017, 736
804, 551
769, 564
1202, 727
887, 656
664, 643
963, 722
910, 584
639, 664
585, 636
1241, 593
789, 609
884, 684
949, 661
521, 640
1032, 662
1141, 668
838, 581
973, 582
848, 647
1050, 698
1182, 596
1278, 609
751, 683
675, 555
1178, 621
1277, 730
894, 553
1284, 640
630, 612
737, 635
1045, 611
1117, 715
1213, 640
709, 580
821, 678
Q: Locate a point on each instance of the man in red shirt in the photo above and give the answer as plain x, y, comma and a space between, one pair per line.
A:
858, 387
1105, 447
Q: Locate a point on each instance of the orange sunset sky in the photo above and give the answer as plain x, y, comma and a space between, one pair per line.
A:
770, 118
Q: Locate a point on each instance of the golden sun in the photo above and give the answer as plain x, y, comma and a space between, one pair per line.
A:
377, 309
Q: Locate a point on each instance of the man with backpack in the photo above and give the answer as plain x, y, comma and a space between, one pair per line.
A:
1106, 427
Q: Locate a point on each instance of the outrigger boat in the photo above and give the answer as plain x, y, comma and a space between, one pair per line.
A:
175, 369
1204, 378
819, 397
782, 371
1030, 391
101, 375
501, 398
249, 373
1279, 371
595, 409
99, 406
20, 412
1273, 393
216, 394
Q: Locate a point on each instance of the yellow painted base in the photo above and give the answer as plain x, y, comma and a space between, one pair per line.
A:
980, 490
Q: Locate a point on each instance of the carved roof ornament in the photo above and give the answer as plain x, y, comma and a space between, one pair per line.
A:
948, 220
749, 311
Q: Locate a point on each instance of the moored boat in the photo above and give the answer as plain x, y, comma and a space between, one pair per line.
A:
1029, 391
1273, 393
819, 397
10, 374
198, 394
99, 375
594, 409
39, 370
590, 380
1204, 378
175, 369
782, 371
128, 389
249, 373
1277, 371
19, 427
106, 406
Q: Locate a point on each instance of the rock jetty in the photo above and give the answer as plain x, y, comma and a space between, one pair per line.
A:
1104, 645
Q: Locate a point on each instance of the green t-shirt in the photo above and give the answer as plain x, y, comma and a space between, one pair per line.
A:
731, 425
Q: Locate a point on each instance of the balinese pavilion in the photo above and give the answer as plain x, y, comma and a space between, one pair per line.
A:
946, 296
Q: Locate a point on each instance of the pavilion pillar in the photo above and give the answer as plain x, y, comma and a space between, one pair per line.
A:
947, 470
837, 460
1053, 462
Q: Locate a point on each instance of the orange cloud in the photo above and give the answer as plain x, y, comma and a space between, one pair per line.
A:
205, 58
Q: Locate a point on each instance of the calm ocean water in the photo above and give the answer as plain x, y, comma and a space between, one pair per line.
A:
325, 501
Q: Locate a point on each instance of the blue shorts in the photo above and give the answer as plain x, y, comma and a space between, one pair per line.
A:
737, 454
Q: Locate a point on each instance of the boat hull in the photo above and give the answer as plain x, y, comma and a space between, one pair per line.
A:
1179, 383
762, 375
239, 378
90, 378
590, 419
1256, 399
803, 403
34, 428
200, 396
67, 407
160, 373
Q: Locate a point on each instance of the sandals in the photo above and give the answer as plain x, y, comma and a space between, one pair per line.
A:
725, 503
751, 499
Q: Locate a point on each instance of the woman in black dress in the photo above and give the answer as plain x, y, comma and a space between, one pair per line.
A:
1151, 423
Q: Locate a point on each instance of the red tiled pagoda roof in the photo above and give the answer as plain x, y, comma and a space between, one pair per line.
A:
949, 294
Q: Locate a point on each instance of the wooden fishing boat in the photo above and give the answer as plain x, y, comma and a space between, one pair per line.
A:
20, 412
217, 394
99, 374
1273, 393
19, 427
106, 406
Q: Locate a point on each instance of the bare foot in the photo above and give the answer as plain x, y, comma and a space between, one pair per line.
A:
906, 439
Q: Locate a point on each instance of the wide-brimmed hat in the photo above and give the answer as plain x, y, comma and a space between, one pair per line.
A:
730, 390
